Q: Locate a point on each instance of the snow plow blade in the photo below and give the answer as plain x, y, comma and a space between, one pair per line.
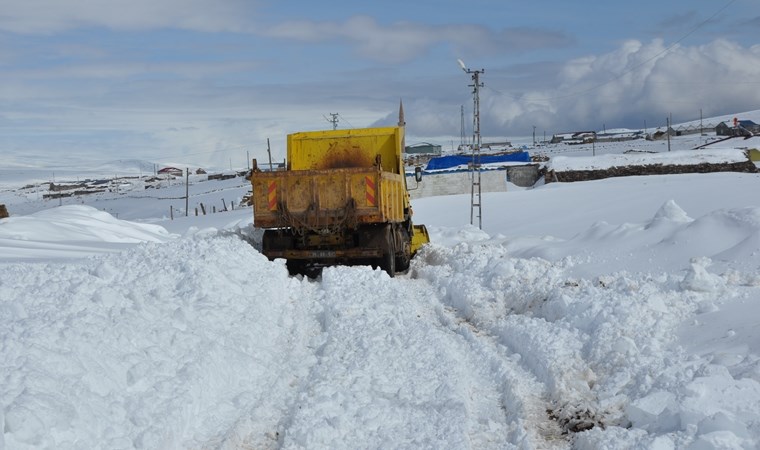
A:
419, 238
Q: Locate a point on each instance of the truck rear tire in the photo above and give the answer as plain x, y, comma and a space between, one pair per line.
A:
388, 264
388, 260
404, 256
295, 267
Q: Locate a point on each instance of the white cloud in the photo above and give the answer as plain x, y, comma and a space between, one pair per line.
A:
50, 16
637, 82
403, 41
116, 70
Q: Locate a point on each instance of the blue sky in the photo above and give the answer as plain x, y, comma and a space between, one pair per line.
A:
206, 82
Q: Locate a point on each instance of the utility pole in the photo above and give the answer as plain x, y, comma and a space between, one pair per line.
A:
475, 195
248, 159
269, 152
333, 120
187, 190
667, 130
534, 135
700, 125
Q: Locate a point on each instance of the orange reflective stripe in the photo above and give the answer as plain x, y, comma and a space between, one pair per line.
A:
272, 196
370, 191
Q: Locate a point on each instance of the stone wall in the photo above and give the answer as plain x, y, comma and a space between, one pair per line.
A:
523, 176
651, 169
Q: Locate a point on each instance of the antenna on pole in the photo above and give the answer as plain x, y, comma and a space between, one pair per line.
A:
475, 197
333, 120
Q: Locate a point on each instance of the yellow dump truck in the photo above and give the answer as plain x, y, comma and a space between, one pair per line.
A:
341, 199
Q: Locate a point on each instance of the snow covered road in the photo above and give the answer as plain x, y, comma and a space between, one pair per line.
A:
223, 349
632, 335
203, 343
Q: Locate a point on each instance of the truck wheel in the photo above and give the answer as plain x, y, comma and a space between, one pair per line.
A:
405, 255
388, 260
295, 267
402, 263
388, 264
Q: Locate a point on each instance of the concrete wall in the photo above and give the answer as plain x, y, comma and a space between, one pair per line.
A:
523, 176
451, 183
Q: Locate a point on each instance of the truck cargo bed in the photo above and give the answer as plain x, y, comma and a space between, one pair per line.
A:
319, 199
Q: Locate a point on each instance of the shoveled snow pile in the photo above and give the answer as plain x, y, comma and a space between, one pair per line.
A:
71, 231
610, 347
589, 332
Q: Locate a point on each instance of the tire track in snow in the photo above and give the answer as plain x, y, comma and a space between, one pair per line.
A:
503, 298
391, 374
524, 398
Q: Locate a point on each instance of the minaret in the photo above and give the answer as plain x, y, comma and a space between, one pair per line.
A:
401, 121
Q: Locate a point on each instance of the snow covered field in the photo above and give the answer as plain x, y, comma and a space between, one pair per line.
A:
619, 313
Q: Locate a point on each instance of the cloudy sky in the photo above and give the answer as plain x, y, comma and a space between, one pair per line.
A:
208, 81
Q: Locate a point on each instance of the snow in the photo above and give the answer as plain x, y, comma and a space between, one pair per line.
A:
682, 157
616, 313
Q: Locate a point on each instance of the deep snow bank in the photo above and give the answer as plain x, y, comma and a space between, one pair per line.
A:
645, 330
195, 342
605, 339
71, 231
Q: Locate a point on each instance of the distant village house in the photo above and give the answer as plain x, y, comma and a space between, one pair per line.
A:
171, 171
423, 148
737, 128
576, 137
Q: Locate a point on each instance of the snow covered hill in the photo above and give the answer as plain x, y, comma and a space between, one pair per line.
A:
619, 313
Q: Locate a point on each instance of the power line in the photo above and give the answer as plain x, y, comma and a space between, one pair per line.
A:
238, 147
349, 123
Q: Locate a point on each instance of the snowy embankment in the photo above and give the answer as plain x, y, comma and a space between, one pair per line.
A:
614, 349
635, 158
72, 231
620, 313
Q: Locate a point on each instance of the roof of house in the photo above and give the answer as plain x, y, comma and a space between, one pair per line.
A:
423, 144
169, 169
744, 123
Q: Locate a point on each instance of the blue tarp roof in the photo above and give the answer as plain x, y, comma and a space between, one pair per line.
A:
447, 162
